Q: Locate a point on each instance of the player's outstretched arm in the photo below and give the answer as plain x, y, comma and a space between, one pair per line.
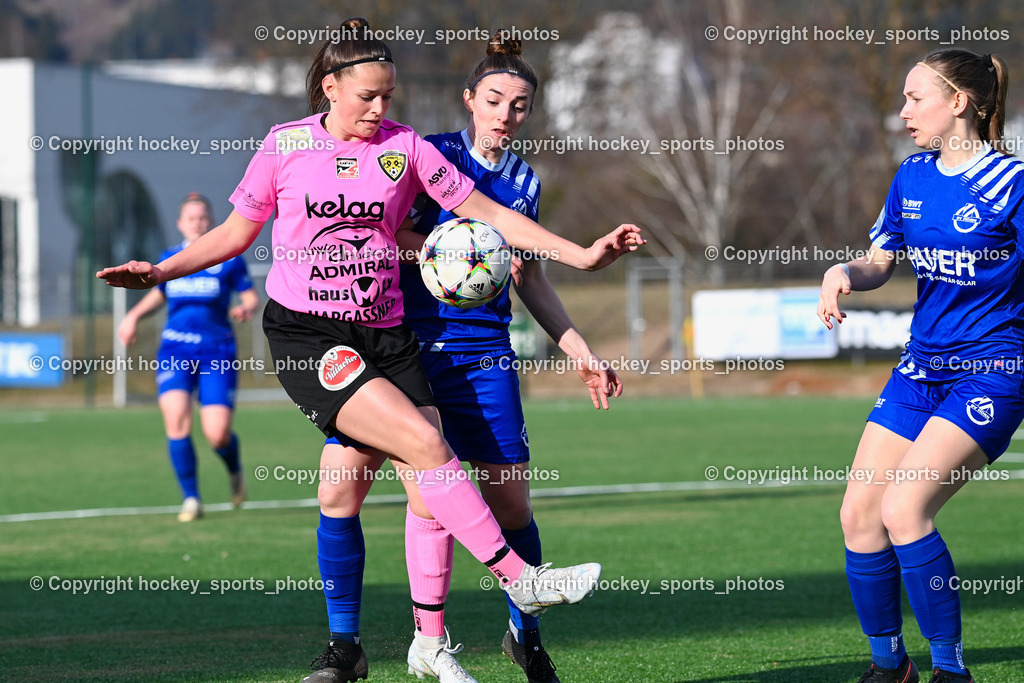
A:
859, 275
542, 301
227, 240
527, 235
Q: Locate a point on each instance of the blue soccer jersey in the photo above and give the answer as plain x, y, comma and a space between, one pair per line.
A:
197, 305
510, 182
961, 229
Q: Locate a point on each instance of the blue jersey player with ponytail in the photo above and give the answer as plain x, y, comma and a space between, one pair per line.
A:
469, 359
957, 395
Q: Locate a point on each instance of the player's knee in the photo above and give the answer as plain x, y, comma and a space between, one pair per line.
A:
338, 500
513, 516
859, 517
177, 428
902, 517
510, 506
218, 438
431, 449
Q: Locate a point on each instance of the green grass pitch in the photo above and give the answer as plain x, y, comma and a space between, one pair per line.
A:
778, 549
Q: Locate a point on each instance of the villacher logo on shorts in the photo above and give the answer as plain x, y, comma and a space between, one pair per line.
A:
339, 367
981, 410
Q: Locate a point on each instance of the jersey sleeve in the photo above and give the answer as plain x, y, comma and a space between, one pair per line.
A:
255, 198
534, 212
425, 213
887, 232
439, 176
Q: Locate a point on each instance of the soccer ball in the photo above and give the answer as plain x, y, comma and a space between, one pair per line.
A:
465, 262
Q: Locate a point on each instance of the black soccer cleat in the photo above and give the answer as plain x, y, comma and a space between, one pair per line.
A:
943, 676
904, 673
537, 666
340, 662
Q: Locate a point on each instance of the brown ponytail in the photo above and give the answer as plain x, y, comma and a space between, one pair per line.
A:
984, 79
354, 44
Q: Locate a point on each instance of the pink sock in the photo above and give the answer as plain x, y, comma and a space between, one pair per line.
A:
428, 557
456, 504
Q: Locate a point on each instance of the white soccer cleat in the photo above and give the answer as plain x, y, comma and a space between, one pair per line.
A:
541, 587
238, 488
440, 663
191, 510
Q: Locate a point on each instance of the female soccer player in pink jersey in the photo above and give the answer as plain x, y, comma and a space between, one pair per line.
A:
341, 182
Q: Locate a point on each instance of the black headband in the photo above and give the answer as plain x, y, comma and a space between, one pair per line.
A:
485, 74
345, 65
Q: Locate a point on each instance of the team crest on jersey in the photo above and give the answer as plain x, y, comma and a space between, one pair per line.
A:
294, 139
981, 410
348, 167
392, 162
967, 218
339, 367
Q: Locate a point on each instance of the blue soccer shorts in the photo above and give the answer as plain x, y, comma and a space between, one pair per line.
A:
988, 406
213, 378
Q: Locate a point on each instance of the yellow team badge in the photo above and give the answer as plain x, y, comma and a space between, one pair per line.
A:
392, 162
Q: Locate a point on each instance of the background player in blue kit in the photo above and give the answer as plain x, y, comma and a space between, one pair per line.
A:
955, 399
467, 354
196, 351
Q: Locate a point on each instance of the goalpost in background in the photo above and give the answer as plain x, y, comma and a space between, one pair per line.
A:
640, 271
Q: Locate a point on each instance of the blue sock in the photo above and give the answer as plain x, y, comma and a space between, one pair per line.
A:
341, 553
526, 543
927, 572
229, 454
875, 587
183, 460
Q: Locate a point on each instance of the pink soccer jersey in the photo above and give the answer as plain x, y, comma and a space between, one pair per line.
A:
338, 206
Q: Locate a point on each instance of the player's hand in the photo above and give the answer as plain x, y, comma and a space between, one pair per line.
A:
517, 270
835, 282
132, 275
127, 331
240, 313
621, 240
600, 379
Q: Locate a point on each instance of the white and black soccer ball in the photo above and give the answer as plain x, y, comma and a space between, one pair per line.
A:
465, 262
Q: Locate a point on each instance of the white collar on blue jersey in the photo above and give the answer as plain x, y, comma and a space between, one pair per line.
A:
964, 167
479, 157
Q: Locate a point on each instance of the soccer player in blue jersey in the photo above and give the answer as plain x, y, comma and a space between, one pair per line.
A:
469, 362
955, 398
197, 354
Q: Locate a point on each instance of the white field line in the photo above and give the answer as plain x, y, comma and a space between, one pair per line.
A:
392, 499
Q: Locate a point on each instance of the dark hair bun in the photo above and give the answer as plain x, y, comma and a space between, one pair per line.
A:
502, 43
355, 22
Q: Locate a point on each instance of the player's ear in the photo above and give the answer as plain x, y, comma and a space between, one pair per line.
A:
960, 102
330, 86
467, 100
